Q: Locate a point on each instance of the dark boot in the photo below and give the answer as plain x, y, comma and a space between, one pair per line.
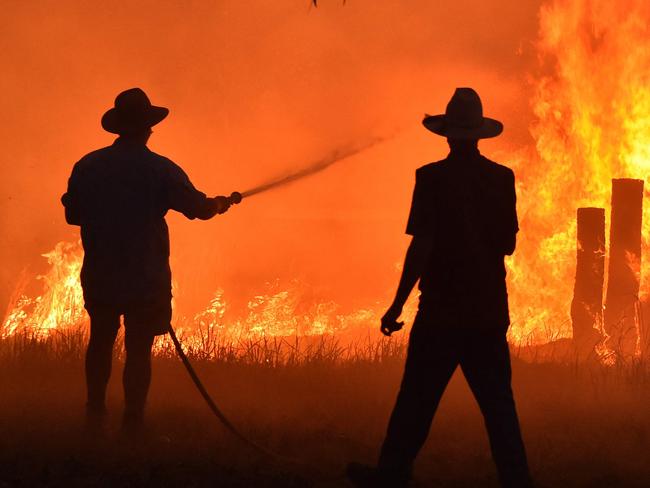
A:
364, 476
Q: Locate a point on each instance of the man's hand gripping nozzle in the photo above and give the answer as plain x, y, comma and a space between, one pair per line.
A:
224, 203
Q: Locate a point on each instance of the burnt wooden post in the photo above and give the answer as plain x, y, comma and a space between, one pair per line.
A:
624, 266
587, 304
644, 328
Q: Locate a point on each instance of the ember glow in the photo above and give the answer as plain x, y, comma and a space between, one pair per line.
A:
591, 106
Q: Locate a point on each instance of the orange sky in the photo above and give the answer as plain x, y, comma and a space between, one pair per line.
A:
255, 88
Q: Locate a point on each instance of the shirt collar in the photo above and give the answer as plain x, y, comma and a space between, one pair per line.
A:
470, 154
121, 142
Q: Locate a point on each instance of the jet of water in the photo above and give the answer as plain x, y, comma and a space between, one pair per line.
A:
335, 157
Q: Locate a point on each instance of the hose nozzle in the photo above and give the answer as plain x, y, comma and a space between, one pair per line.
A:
235, 198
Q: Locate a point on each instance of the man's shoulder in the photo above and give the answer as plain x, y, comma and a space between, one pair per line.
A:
93, 158
96, 154
431, 169
497, 169
166, 165
162, 160
97, 160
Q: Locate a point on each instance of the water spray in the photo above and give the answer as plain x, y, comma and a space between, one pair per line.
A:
336, 157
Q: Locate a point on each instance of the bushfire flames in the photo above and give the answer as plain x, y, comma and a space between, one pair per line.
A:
278, 314
592, 124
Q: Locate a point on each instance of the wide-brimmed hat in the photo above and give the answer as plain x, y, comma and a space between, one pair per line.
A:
463, 118
132, 112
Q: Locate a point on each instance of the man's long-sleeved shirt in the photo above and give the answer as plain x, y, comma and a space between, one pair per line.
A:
466, 205
119, 196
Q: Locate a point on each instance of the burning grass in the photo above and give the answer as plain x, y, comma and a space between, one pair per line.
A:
204, 344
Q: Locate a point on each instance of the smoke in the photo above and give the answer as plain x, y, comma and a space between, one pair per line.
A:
254, 88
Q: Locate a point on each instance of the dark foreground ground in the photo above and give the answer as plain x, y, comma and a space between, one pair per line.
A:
584, 427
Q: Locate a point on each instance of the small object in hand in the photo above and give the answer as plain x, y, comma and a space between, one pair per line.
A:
388, 326
235, 198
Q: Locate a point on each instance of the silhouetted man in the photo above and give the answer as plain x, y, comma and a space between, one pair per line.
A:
463, 221
119, 195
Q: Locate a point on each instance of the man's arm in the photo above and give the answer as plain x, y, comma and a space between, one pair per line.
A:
183, 197
420, 226
512, 223
70, 199
416, 260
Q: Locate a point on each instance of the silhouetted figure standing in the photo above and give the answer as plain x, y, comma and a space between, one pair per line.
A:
119, 196
463, 221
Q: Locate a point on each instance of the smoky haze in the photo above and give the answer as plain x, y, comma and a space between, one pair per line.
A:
255, 89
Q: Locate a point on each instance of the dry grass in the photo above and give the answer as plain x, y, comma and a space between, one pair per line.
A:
205, 344
585, 424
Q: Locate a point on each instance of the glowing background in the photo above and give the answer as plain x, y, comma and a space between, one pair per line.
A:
258, 88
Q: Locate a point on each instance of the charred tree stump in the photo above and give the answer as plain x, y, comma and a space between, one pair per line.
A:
624, 266
587, 304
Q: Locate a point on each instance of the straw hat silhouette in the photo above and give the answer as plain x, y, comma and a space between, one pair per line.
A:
132, 112
463, 118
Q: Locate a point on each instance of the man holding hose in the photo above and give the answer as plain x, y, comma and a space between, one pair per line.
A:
119, 196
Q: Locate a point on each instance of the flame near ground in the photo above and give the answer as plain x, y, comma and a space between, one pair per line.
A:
592, 123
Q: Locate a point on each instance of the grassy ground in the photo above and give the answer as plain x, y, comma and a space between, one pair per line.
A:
585, 426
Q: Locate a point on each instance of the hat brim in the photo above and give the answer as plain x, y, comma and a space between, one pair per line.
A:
437, 124
113, 123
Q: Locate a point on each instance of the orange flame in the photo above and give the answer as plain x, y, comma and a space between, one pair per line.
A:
592, 108
62, 302
276, 314
593, 124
